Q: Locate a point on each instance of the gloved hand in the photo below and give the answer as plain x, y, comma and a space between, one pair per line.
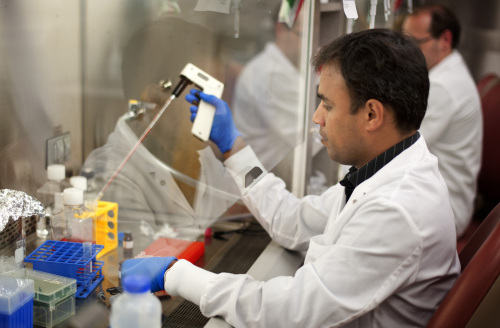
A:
152, 267
224, 131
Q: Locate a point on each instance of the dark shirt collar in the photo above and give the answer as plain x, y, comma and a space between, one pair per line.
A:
355, 177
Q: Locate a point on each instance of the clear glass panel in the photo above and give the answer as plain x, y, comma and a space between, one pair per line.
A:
40, 88
174, 180
68, 70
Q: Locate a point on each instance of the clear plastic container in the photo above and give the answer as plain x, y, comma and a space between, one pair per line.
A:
75, 222
16, 302
136, 307
54, 299
92, 191
13, 245
50, 195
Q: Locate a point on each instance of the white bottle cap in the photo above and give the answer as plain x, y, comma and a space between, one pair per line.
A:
79, 182
56, 172
73, 196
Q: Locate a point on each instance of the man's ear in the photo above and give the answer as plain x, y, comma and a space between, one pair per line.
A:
447, 39
374, 114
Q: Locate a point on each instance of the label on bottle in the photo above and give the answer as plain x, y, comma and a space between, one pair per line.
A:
19, 252
128, 244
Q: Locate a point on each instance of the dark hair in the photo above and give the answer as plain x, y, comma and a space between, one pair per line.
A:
442, 19
384, 65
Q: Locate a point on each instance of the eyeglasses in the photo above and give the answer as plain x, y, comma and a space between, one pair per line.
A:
423, 40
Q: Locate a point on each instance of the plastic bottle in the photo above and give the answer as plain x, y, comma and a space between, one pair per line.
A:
47, 194
81, 182
92, 190
136, 307
74, 222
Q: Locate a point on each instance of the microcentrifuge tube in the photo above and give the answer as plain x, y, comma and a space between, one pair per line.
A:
87, 255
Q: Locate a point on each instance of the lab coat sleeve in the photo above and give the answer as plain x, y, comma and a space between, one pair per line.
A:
187, 280
291, 222
439, 114
378, 253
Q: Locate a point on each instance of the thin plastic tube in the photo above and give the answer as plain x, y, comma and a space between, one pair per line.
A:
138, 143
87, 255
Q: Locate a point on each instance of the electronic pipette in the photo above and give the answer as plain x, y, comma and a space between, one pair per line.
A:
204, 118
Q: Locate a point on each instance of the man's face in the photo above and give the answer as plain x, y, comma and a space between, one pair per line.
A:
419, 27
341, 131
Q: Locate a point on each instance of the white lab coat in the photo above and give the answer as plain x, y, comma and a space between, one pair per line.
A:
266, 107
385, 259
453, 130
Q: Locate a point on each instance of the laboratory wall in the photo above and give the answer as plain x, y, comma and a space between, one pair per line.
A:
40, 87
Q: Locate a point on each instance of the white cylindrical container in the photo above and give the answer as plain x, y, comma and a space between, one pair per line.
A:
89, 194
79, 182
137, 306
54, 186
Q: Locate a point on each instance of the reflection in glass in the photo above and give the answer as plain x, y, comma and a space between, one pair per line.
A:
174, 179
266, 99
73, 67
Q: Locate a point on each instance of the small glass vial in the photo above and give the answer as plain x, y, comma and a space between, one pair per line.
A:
75, 222
128, 244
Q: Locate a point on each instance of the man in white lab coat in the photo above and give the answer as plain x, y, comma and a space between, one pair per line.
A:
452, 125
380, 245
266, 100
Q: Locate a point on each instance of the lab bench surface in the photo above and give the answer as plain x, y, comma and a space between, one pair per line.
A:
234, 247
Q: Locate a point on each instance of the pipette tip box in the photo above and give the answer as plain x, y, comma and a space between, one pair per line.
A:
54, 299
182, 249
16, 302
67, 259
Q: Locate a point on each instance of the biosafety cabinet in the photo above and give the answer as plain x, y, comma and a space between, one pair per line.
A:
82, 84
82, 81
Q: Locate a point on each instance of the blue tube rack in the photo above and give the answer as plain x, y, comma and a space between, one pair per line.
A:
66, 259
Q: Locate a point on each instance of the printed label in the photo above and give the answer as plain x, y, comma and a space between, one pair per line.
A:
350, 9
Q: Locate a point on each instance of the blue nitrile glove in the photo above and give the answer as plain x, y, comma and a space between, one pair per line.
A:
224, 131
152, 267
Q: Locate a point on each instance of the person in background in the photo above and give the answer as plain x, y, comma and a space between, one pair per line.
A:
380, 245
452, 126
266, 99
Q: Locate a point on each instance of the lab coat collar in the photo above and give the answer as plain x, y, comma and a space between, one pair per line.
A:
355, 177
401, 162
